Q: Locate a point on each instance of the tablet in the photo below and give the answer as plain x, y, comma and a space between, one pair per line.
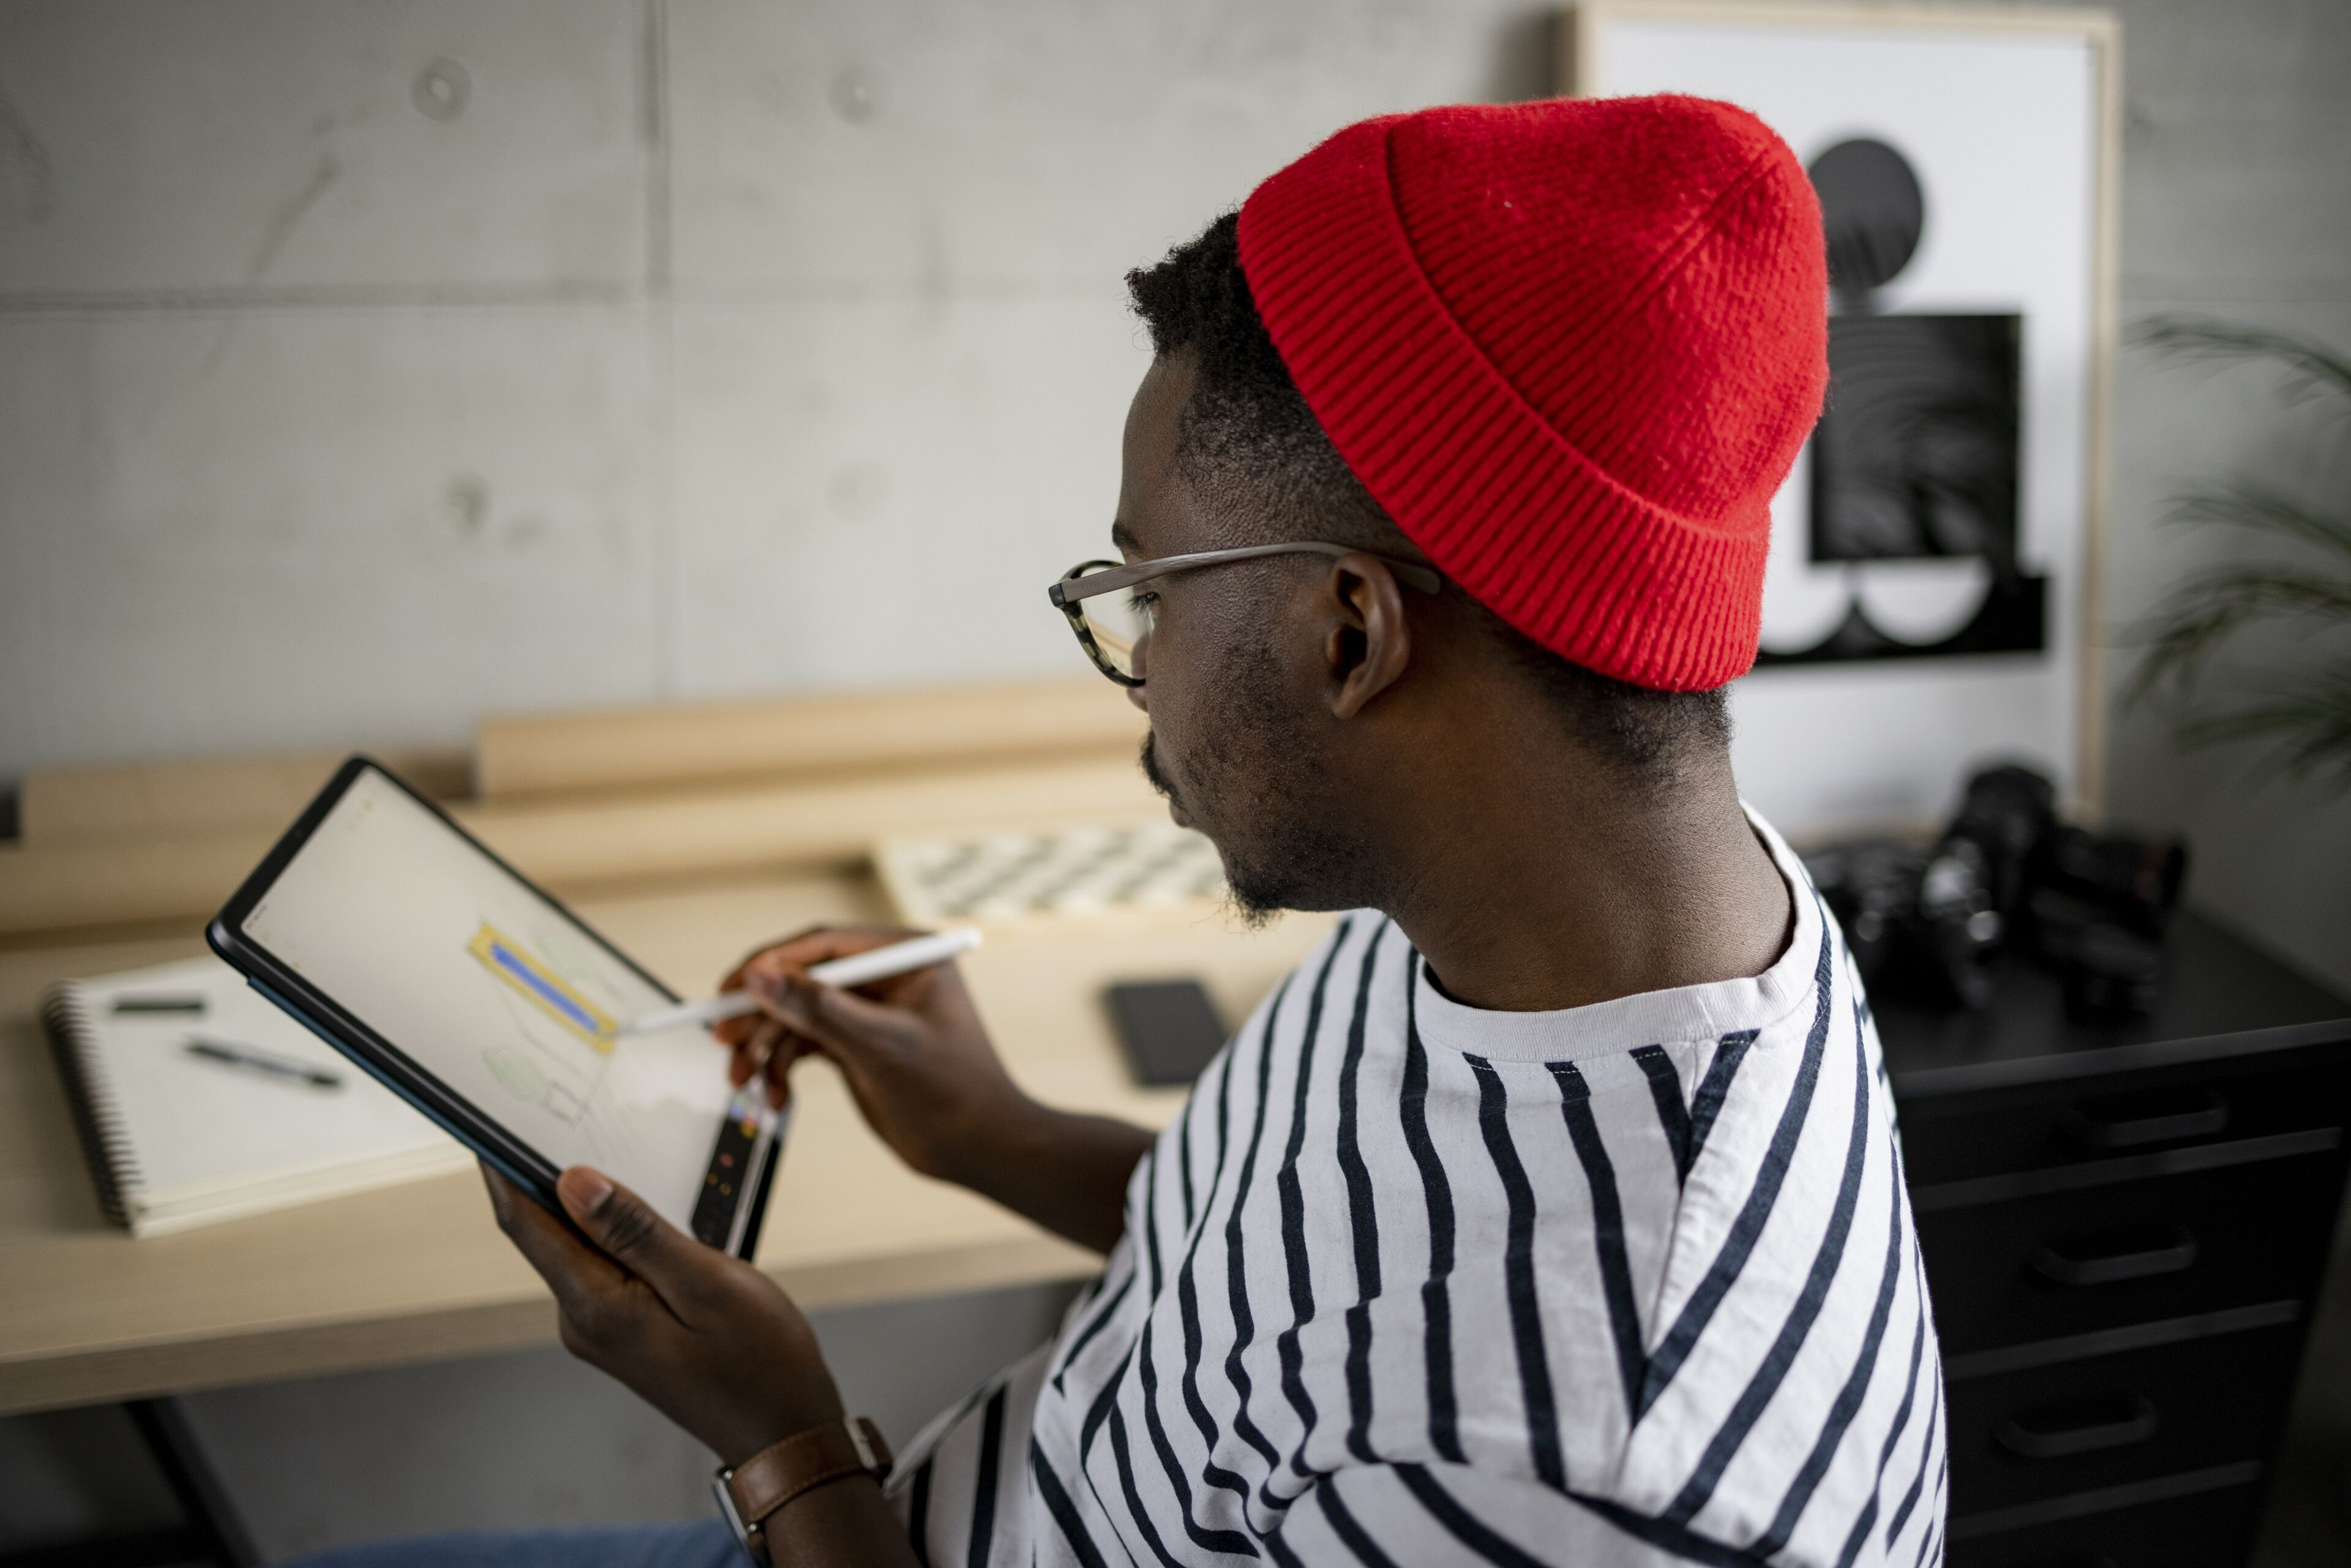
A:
440, 971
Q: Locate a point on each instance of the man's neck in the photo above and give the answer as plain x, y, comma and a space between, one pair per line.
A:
1557, 886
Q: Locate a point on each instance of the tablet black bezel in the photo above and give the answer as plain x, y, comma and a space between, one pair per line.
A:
385, 1063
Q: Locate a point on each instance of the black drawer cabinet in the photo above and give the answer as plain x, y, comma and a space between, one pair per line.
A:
2210, 1525
2106, 1421
2124, 1228
2086, 1126
2131, 1251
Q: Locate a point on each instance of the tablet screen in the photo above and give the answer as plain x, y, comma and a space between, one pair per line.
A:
490, 986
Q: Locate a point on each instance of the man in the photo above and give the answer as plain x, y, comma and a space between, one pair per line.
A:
1549, 1212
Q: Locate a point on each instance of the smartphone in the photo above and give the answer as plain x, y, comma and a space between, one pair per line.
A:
1169, 1027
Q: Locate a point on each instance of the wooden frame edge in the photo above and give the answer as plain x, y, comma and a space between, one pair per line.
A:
2059, 19
2097, 500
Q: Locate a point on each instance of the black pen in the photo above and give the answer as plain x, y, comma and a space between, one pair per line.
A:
232, 1055
159, 1004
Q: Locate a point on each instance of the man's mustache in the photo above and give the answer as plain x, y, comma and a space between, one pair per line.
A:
1151, 769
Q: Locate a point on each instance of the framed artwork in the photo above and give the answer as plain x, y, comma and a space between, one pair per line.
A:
1930, 604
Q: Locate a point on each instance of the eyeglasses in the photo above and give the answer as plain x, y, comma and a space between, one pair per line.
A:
1111, 625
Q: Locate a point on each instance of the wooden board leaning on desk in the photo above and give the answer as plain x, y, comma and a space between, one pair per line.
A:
420, 1272
586, 800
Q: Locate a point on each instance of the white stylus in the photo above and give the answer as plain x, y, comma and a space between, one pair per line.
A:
898, 959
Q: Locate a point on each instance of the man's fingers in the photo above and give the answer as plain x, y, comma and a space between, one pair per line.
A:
826, 1015
812, 946
629, 1231
789, 1049
821, 942
753, 1047
767, 1052
575, 1272
605, 1312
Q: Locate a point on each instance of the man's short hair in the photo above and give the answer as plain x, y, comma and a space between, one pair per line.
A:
1248, 438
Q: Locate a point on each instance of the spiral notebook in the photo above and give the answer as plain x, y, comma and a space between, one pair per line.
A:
198, 1101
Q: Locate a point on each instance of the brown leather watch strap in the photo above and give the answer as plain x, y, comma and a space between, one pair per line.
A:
801, 1462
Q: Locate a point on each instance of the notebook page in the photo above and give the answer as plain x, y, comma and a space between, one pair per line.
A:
202, 1134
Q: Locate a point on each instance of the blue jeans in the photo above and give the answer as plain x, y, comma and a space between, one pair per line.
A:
705, 1543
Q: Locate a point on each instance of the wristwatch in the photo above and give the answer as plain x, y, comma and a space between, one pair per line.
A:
750, 1492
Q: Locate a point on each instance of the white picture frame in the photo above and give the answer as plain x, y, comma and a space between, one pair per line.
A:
2012, 118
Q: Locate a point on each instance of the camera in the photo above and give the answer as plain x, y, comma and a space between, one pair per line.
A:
2006, 877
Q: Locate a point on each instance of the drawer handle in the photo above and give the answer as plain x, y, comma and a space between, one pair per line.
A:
2119, 1257
2161, 1116
2085, 1428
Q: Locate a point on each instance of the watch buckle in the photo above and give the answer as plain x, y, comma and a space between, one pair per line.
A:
745, 1534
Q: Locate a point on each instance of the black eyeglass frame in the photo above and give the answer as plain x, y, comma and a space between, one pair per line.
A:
1069, 591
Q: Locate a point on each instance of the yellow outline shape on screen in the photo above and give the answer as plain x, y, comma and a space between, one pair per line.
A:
504, 956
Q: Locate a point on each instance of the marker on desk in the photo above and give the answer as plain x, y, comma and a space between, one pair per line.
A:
230, 1054
159, 1003
857, 969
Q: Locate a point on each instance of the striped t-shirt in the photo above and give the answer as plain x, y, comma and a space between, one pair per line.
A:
1414, 1283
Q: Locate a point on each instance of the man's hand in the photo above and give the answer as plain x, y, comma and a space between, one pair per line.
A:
916, 1058
911, 1047
706, 1338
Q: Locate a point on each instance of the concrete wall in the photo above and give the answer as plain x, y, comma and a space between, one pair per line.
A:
368, 367
2236, 203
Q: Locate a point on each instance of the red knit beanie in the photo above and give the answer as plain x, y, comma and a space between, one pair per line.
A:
1572, 348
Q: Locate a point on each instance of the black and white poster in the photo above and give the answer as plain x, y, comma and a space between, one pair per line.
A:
1924, 608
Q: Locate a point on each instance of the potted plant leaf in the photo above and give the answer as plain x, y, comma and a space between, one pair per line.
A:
2295, 580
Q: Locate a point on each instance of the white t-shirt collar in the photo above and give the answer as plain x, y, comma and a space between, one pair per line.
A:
1647, 1017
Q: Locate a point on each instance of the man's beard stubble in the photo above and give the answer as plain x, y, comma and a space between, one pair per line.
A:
1267, 802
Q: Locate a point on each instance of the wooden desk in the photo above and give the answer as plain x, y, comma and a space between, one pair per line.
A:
419, 1271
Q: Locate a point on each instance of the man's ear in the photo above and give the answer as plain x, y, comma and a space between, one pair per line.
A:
1369, 644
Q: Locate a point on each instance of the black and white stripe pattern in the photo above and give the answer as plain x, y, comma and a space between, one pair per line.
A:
1410, 1283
